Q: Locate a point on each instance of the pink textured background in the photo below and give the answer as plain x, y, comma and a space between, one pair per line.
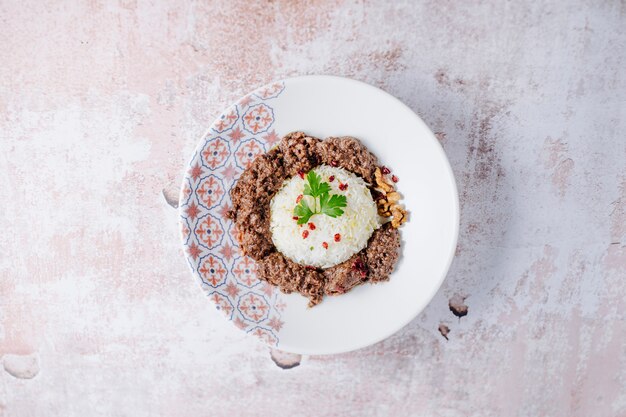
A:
102, 102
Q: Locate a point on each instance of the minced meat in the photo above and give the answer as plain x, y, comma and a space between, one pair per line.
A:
298, 153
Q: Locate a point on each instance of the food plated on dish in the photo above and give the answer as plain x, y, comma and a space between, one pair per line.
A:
319, 217
280, 229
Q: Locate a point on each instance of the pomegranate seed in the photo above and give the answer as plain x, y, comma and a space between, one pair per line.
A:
337, 237
342, 186
385, 170
359, 266
310, 267
333, 163
331, 178
394, 178
325, 245
295, 217
312, 226
301, 173
305, 234
299, 198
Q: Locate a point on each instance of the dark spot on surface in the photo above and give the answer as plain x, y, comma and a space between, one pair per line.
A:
390, 60
483, 145
285, 360
441, 77
21, 366
444, 330
457, 305
171, 197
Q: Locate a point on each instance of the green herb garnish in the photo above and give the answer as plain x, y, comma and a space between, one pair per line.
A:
314, 185
329, 205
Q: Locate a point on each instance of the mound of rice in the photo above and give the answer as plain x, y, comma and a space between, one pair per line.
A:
355, 226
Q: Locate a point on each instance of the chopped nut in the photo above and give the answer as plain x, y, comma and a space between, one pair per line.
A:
381, 183
386, 187
383, 208
393, 197
399, 216
387, 198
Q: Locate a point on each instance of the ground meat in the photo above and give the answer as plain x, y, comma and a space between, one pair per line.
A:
343, 277
254, 243
262, 179
382, 252
373, 264
251, 197
300, 153
349, 153
297, 154
290, 276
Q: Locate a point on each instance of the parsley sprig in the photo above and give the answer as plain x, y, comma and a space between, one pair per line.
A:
329, 204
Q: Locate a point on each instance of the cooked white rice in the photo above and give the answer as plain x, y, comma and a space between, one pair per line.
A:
356, 225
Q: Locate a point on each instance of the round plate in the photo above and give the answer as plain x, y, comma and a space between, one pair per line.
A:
321, 106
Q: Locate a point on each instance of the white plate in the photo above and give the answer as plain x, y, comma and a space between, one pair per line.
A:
321, 106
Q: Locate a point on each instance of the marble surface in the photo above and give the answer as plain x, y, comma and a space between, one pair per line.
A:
102, 103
